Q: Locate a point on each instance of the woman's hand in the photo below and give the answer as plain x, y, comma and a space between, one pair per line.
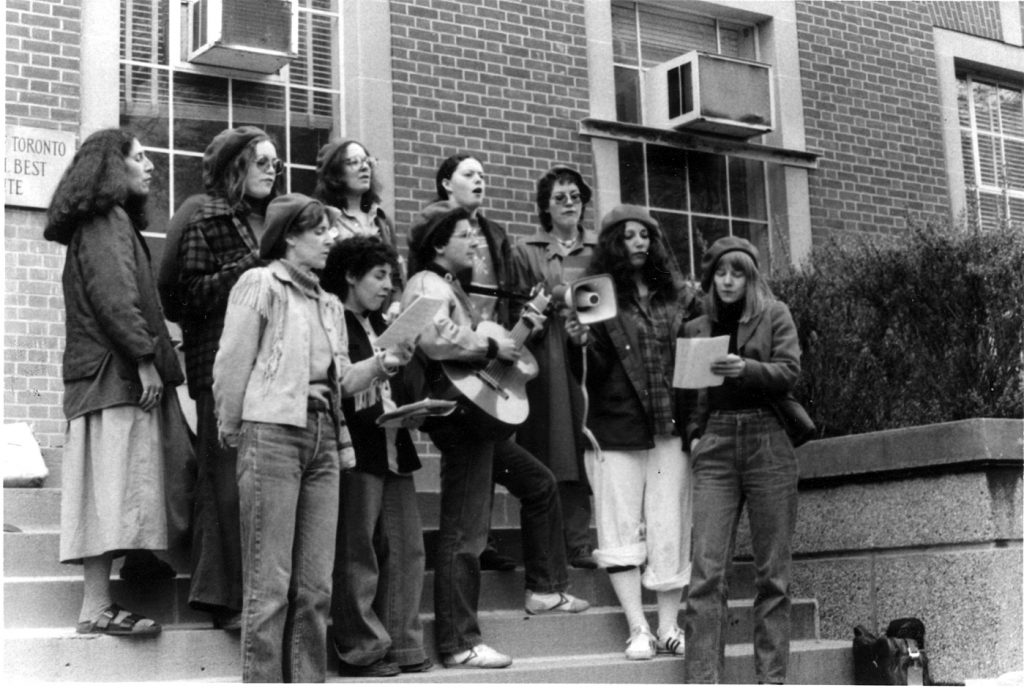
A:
152, 386
507, 349
229, 440
399, 354
578, 332
730, 365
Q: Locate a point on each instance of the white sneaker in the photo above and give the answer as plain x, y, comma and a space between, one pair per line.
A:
537, 603
671, 642
641, 644
482, 657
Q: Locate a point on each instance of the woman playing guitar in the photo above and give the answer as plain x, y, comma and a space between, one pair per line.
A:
445, 246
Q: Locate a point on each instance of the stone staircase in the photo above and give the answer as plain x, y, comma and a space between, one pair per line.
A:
42, 597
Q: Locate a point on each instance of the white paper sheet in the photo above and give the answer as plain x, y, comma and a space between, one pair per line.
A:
693, 361
411, 322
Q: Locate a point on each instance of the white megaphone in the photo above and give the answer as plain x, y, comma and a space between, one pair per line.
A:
592, 298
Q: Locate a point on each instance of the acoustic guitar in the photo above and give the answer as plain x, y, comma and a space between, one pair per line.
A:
496, 390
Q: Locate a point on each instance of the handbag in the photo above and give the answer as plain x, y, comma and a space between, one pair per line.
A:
895, 659
794, 419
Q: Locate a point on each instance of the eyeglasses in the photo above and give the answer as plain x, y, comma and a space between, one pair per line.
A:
357, 162
561, 197
265, 164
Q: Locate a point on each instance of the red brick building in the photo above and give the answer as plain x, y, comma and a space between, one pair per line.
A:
880, 111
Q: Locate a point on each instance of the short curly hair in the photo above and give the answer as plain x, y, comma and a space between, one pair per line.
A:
355, 256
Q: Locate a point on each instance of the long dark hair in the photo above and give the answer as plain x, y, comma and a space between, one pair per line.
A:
93, 184
331, 186
610, 257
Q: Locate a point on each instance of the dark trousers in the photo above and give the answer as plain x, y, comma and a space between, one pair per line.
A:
378, 570
216, 584
467, 468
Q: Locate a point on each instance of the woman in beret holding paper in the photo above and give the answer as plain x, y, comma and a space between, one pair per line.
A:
741, 456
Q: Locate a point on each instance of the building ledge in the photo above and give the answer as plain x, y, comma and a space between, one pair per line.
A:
965, 445
704, 143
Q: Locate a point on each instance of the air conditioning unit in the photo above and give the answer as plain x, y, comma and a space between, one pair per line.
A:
710, 93
250, 35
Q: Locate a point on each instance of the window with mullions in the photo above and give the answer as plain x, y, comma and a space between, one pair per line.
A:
176, 108
992, 141
697, 197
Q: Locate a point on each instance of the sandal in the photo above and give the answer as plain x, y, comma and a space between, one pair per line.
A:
116, 621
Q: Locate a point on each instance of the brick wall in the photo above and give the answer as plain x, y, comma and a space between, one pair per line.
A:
975, 18
506, 81
42, 90
871, 106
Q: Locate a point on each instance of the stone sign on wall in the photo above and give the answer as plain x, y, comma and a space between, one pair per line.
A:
34, 160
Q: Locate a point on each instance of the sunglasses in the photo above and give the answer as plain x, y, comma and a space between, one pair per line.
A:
265, 164
561, 197
356, 163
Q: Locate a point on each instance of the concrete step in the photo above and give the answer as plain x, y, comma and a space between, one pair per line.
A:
188, 654
35, 553
53, 601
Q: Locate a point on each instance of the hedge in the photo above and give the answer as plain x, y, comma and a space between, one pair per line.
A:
921, 328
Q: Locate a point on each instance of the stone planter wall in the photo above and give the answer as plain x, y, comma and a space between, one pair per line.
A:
925, 522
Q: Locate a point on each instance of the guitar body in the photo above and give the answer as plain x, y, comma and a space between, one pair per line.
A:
494, 390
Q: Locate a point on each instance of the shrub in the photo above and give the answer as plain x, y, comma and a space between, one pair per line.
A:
921, 328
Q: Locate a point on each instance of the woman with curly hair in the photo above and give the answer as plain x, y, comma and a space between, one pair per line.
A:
639, 472
126, 437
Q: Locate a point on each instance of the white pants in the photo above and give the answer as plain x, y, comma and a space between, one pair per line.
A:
642, 505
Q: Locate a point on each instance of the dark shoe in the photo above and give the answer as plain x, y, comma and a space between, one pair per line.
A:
417, 668
228, 621
142, 566
583, 560
379, 669
492, 560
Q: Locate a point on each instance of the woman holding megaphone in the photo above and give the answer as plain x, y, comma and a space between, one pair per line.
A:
556, 255
638, 469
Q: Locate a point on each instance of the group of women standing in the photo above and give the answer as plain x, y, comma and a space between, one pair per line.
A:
305, 508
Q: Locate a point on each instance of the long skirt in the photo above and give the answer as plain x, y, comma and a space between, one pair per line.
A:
126, 481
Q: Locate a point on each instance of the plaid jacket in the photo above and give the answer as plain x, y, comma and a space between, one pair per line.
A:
216, 248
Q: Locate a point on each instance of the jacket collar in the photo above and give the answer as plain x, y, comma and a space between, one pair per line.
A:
553, 247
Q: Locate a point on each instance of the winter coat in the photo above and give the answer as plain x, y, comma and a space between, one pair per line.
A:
113, 317
769, 344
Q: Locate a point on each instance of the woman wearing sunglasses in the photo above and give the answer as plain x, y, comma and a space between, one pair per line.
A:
219, 242
559, 252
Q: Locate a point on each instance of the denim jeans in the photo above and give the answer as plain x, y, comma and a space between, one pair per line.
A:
378, 570
288, 489
743, 458
467, 467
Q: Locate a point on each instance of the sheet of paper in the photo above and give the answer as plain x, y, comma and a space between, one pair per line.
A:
410, 323
693, 361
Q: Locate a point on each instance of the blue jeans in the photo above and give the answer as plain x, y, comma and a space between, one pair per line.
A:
288, 490
743, 457
378, 570
467, 467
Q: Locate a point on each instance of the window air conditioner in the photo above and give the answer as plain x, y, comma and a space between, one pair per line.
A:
710, 93
251, 35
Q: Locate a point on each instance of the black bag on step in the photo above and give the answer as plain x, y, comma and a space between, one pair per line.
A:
895, 659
